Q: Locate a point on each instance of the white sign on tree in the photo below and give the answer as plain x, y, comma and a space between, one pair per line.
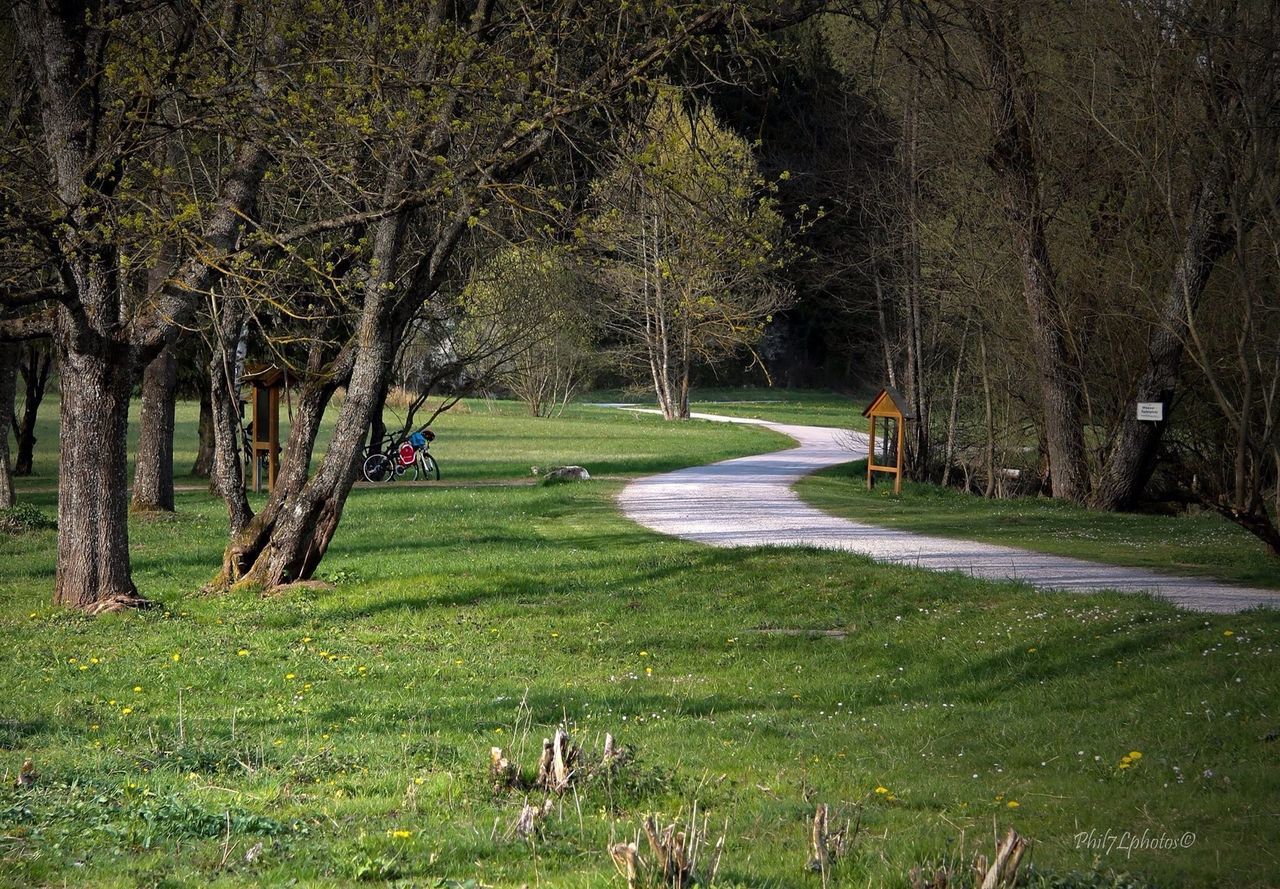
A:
1151, 410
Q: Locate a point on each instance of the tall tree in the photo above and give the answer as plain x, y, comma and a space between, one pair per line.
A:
1013, 157
689, 239
100, 73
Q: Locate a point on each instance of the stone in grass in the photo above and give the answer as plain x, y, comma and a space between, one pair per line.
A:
562, 474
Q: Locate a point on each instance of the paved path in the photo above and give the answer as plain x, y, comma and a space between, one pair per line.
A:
749, 502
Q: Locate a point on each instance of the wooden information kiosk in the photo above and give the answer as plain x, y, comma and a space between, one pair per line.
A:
891, 409
267, 381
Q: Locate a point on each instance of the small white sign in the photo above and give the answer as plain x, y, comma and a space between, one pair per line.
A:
1151, 410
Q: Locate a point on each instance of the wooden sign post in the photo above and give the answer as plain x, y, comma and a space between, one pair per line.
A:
890, 408
267, 381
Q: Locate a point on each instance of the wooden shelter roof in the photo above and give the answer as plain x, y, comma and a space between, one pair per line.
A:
889, 403
267, 376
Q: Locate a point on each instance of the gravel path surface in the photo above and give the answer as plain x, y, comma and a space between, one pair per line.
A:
749, 502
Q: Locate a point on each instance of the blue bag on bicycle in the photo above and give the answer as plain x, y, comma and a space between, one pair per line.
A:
417, 439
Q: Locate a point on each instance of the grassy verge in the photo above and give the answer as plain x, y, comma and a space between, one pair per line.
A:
1203, 544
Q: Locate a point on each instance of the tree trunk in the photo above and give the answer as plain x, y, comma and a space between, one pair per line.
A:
8, 383
988, 417
34, 366
203, 466
378, 425
917, 444
889, 372
949, 456
93, 537
288, 544
153, 469
247, 544
1013, 160
227, 478
1133, 456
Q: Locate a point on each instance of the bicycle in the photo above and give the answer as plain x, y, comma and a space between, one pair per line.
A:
406, 458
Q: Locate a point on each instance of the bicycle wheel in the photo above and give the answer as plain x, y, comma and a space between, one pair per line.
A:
430, 468
378, 468
408, 473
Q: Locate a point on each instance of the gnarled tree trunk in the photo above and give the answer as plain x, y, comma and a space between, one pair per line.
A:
249, 541
227, 478
1133, 455
153, 468
287, 541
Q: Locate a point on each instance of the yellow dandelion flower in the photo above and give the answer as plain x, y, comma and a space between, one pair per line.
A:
1012, 804
400, 834
882, 790
137, 689
1135, 754
306, 639
648, 671
1124, 765
243, 652
644, 654
290, 676
1228, 633
126, 711
177, 656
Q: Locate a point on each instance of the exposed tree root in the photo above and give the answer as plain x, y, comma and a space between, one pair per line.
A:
120, 602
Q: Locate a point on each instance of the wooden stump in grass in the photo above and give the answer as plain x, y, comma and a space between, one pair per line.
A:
1003, 871
626, 858
504, 772
827, 847
557, 767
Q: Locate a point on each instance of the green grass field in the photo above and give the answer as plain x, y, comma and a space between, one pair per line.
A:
340, 735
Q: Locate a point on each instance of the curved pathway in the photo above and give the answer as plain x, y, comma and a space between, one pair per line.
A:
749, 502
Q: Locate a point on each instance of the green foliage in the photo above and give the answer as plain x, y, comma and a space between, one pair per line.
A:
689, 239
23, 517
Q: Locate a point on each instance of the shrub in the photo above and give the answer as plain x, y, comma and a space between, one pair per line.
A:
23, 517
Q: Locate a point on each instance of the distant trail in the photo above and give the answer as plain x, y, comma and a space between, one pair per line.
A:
749, 502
